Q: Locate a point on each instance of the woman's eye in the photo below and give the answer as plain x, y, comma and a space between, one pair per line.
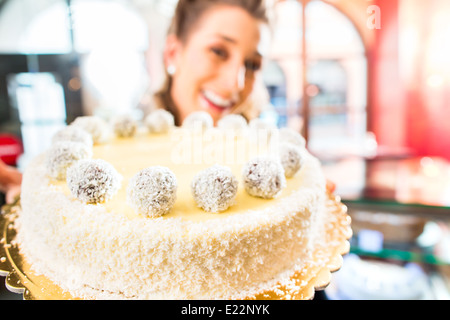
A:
219, 52
252, 66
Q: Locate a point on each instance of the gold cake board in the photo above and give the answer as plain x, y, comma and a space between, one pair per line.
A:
315, 276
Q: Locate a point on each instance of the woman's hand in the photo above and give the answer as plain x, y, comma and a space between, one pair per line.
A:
12, 193
331, 187
10, 182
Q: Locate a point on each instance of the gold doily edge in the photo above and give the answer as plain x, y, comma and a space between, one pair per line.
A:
316, 277
21, 280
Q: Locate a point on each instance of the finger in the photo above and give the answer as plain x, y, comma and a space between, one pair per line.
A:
12, 194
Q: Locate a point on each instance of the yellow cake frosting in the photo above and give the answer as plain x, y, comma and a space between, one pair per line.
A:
110, 251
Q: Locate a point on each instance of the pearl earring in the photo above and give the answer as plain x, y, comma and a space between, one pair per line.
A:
171, 69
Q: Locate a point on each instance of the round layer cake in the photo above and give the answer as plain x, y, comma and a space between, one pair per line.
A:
189, 212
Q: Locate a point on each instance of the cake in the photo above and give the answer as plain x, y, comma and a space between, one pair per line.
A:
190, 212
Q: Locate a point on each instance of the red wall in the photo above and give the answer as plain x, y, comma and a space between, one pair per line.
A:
401, 116
387, 114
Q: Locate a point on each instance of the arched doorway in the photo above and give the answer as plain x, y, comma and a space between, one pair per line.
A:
324, 62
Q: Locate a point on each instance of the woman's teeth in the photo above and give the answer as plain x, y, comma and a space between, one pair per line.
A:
218, 100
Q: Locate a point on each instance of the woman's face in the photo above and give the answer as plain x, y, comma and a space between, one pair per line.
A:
216, 65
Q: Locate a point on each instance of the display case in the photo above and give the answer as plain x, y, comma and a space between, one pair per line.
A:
400, 210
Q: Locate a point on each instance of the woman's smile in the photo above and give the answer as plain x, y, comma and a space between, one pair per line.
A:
210, 99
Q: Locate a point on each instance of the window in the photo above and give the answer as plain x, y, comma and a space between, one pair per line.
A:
89, 54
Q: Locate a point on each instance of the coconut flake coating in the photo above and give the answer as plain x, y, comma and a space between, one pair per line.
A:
292, 136
232, 122
124, 126
160, 121
74, 134
261, 124
96, 126
64, 154
262, 129
93, 180
105, 252
198, 119
291, 159
263, 177
214, 189
152, 191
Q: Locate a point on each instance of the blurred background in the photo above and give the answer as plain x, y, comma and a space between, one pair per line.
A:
366, 82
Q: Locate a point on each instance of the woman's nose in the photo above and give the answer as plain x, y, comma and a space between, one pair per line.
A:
233, 77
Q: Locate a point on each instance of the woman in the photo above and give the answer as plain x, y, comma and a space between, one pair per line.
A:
212, 56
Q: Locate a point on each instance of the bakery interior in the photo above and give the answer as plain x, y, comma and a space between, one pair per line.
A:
367, 82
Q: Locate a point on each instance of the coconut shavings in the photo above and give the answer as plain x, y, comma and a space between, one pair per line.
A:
93, 181
198, 119
261, 124
263, 177
214, 189
292, 136
96, 126
160, 121
124, 126
64, 154
232, 122
152, 191
74, 134
291, 159
95, 252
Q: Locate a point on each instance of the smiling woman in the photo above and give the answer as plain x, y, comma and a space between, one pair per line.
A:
212, 56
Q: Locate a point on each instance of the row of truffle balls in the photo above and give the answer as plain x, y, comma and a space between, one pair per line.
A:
152, 191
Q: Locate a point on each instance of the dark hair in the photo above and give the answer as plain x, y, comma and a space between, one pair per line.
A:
187, 14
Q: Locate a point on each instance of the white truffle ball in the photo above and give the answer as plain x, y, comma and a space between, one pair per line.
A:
93, 181
124, 126
291, 159
232, 122
198, 119
261, 124
160, 121
263, 177
292, 136
74, 134
214, 189
152, 192
64, 154
96, 126
261, 130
